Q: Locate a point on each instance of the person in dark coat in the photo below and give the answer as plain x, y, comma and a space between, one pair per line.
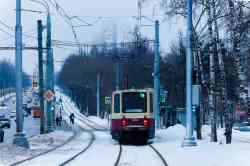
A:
57, 121
60, 121
72, 118
1, 134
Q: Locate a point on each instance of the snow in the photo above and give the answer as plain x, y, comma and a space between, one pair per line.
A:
206, 153
61, 154
105, 150
168, 142
10, 153
102, 122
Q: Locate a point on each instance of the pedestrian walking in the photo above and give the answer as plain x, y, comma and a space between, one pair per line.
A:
1, 134
60, 121
57, 121
72, 118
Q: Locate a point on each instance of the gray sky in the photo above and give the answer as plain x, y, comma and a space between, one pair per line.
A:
61, 31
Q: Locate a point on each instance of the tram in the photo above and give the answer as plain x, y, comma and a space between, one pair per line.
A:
132, 115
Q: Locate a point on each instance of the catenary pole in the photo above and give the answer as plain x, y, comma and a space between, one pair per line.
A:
98, 95
49, 76
117, 66
157, 74
20, 137
189, 140
40, 66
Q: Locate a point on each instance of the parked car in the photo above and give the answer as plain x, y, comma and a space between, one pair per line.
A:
243, 126
36, 112
12, 114
4, 123
2, 104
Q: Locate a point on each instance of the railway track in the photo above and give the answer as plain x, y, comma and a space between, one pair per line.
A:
98, 127
45, 152
92, 138
119, 156
159, 155
53, 150
81, 152
164, 162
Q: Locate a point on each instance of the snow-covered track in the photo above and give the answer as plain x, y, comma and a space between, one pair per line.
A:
159, 155
120, 162
82, 151
46, 152
119, 156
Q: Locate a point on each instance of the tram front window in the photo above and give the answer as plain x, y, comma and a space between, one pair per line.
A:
134, 102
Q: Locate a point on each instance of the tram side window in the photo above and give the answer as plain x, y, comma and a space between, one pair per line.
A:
117, 103
151, 103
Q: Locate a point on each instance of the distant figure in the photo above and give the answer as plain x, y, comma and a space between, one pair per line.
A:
57, 121
60, 121
1, 135
60, 100
72, 118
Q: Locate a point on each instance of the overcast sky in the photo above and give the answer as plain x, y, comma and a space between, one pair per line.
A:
117, 9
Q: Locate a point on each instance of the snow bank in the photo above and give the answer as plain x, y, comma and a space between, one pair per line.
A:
172, 133
206, 153
102, 122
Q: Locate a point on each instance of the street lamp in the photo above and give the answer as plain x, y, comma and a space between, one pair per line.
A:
189, 139
20, 137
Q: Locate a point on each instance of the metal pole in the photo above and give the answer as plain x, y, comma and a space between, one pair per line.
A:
98, 95
117, 75
157, 74
20, 137
189, 139
40, 65
49, 75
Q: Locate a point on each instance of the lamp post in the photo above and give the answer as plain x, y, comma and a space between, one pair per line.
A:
20, 137
189, 139
157, 74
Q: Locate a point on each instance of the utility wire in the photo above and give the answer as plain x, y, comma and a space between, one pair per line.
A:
67, 19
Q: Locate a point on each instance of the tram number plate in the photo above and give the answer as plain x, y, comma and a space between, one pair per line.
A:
135, 120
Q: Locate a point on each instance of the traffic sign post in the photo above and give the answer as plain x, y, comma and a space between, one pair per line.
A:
107, 100
49, 95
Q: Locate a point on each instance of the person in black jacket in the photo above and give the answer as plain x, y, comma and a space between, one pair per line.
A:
72, 118
1, 134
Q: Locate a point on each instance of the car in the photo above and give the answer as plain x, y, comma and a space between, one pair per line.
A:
4, 123
243, 126
2, 104
3, 108
12, 114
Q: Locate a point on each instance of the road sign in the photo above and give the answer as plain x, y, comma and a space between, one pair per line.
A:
196, 94
49, 95
163, 96
107, 100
